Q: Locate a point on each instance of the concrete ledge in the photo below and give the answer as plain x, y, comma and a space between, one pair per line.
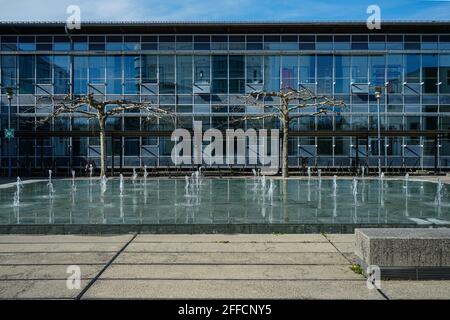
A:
109, 229
405, 253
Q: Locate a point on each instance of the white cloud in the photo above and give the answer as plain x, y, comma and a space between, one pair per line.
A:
29, 10
51, 10
161, 10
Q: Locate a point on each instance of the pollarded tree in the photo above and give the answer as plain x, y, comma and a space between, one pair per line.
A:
284, 106
91, 108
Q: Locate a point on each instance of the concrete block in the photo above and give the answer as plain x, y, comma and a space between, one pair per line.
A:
403, 247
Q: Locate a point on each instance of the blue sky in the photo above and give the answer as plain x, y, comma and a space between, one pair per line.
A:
226, 10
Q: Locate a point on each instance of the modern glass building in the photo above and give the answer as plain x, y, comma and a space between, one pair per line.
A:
201, 70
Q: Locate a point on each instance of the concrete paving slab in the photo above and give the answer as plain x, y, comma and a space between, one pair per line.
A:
226, 272
227, 289
60, 247
345, 247
232, 258
64, 239
38, 289
341, 237
230, 238
55, 258
416, 289
46, 272
230, 247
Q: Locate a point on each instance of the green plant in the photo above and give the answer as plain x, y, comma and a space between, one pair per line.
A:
356, 268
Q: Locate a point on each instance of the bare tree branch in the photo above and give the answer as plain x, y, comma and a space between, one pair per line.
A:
89, 107
290, 100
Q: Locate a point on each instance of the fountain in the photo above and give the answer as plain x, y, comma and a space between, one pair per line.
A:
405, 186
334, 185
174, 200
334, 197
145, 174
197, 175
187, 184
19, 186
309, 181
51, 190
355, 199
319, 175
91, 170
121, 185
439, 193
362, 171
354, 187
263, 182
74, 187
381, 188
103, 182
254, 172
309, 191
271, 189
134, 177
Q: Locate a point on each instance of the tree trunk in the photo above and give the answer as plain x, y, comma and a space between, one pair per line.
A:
103, 167
284, 149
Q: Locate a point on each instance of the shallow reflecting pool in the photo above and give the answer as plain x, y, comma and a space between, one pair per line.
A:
226, 201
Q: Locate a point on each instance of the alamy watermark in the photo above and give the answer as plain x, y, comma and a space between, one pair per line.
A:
373, 277
374, 20
74, 19
253, 147
73, 281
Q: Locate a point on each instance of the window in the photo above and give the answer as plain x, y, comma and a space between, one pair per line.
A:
167, 74
412, 68
324, 43
96, 43
359, 69
289, 72
219, 74
44, 43
9, 43
131, 43
114, 75
377, 70
131, 72
325, 74
307, 69
394, 73
342, 74
255, 69
237, 74
201, 69
80, 74
114, 43
201, 43
61, 43
43, 69
61, 71
149, 65
184, 74
131, 147
27, 43
429, 72
26, 74
97, 69
272, 73
444, 73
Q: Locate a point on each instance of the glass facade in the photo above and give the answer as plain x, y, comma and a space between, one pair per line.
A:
203, 77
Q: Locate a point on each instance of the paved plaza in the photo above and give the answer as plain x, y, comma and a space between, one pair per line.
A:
307, 266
